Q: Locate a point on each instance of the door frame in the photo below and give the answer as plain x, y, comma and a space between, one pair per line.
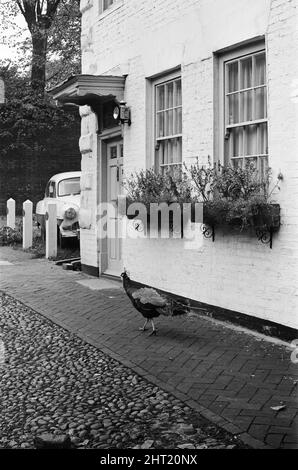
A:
114, 225
114, 135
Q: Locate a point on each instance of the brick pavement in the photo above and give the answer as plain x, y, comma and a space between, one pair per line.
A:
230, 376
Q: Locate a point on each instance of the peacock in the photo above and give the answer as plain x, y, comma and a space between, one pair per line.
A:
151, 304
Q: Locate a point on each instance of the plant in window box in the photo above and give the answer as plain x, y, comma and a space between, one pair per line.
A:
236, 197
255, 211
148, 187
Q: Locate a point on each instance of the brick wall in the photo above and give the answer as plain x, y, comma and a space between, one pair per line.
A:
25, 174
143, 38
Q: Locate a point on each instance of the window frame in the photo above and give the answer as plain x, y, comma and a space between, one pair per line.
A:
107, 11
220, 107
155, 82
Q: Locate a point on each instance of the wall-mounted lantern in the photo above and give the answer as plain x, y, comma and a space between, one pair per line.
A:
122, 112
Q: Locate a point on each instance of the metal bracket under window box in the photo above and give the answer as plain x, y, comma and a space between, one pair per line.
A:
265, 235
266, 222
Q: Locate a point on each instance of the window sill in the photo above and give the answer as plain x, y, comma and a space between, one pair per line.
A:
111, 10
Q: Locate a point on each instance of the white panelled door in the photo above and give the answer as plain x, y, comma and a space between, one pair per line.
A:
114, 188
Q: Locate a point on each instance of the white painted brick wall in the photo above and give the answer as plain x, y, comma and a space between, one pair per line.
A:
147, 37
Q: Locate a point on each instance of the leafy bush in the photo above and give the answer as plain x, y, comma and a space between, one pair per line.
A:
148, 187
235, 196
239, 183
202, 179
231, 195
227, 182
9, 236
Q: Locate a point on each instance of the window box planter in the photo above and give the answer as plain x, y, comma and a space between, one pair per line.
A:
264, 218
151, 187
233, 197
267, 216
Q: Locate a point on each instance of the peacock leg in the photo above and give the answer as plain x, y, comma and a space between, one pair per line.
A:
153, 333
144, 327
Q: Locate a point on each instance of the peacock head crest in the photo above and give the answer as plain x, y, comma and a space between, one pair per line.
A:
125, 274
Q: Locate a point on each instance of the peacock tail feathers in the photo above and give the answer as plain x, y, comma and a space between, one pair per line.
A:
149, 296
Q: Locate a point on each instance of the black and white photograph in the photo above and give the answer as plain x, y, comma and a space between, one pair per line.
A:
148, 229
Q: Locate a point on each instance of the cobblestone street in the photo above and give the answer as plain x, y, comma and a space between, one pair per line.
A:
107, 383
53, 382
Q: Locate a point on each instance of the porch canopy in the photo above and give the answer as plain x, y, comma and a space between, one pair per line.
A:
89, 90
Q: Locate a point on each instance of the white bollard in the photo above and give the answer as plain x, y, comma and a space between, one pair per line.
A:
51, 230
11, 213
27, 225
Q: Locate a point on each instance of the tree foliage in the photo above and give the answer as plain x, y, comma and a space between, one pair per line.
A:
53, 45
64, 44
29, 115
27, 119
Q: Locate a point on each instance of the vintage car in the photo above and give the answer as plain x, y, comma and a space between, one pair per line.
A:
64, 189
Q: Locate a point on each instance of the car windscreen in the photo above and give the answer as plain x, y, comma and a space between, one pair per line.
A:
69, 187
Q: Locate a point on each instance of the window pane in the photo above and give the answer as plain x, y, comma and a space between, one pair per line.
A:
179, 150
178, 93
260, 69
262, 139
170, 151
107, 3
113, 152
233, 74
263, 166
250, 141
178, 121
246, 104
169, 123
174, 156
51, 190
164, 152
246, 73
238, 163
252, 161
160, 125
160, 104
69, 186
158, 155
236, 142
170, 95
261, 103
233, 101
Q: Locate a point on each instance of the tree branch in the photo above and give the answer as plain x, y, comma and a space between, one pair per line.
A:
52, 8
21, 7
27, 8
